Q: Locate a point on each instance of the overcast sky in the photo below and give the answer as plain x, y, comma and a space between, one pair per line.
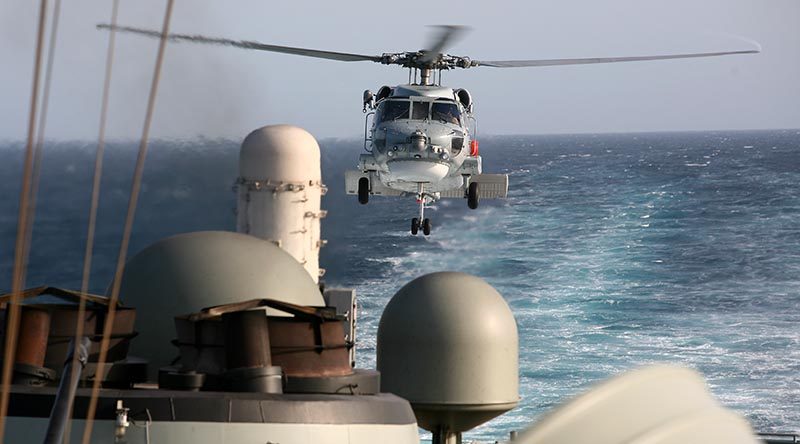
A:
226, 92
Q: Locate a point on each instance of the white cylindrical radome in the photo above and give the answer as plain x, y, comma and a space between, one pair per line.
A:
279, 191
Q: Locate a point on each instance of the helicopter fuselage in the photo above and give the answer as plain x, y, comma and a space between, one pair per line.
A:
420, 134
420, 141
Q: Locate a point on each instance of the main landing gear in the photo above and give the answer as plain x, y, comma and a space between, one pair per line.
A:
363, 190
472, 195
421, 222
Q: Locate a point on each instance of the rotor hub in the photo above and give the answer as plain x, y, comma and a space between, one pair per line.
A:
419, 60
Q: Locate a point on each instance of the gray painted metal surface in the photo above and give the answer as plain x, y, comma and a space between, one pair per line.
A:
448, 343
490, 186
183, 417
344, 301
228, 407
26, 430
424, 140
421, 142
188, 272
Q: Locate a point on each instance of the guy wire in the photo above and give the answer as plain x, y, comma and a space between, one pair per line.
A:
18, 275
135, 187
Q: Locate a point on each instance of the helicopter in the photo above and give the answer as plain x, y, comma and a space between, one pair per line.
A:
420, 137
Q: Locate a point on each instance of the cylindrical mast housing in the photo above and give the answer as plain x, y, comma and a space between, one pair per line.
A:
279, 191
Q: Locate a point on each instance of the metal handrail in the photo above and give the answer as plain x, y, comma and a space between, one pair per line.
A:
367, 138
779, 438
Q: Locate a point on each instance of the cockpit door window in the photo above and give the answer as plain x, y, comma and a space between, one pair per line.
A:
446, 112
392, 110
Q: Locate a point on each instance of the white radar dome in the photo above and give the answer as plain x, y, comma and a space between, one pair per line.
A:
447, 342
279, 192
188, 272
280, 152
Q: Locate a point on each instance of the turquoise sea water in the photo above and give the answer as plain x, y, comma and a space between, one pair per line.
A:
613, 251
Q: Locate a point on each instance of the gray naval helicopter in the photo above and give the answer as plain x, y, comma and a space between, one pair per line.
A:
420, 137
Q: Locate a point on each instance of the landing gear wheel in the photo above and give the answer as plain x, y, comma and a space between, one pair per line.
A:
472, 195
363, 190
426, 227
415, 226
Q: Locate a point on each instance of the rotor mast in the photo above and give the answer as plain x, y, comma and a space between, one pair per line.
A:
425, 75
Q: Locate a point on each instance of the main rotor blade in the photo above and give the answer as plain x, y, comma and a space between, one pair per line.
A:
446, 36
591, 60
341, 56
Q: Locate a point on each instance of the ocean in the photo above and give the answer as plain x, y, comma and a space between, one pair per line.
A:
612, 250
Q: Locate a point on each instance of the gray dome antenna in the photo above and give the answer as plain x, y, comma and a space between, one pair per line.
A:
188, 272
448, 343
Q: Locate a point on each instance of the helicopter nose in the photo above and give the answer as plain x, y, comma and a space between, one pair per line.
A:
419, 140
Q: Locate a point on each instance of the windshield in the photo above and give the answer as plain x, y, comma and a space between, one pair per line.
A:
446, 112
392, 110
419, 110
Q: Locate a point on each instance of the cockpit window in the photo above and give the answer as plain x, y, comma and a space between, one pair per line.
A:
392, 110
419, 110
445, 112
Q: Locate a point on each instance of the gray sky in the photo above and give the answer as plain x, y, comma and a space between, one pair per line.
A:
226, 92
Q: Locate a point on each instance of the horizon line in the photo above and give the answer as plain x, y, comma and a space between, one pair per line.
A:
329, 138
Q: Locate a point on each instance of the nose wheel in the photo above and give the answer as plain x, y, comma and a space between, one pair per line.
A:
425, 225
421, 222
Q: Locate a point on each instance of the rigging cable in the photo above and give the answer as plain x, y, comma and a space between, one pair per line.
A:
134, 197
18, 276
38, 147
98, 172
